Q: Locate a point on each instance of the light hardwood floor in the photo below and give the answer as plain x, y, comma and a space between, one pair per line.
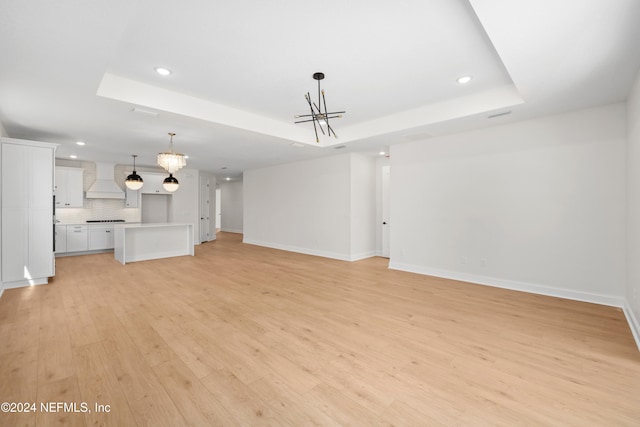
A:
246, 336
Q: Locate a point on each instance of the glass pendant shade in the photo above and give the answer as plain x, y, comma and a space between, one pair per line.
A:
170, 160
170, 183
134, 181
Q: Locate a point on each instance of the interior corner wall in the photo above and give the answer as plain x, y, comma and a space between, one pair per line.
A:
3, 131
307, 207
537, 205
232, 205
632, 306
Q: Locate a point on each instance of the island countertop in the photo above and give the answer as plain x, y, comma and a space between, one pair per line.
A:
144, 241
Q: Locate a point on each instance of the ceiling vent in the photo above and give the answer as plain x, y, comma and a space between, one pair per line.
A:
145, 112
498, 114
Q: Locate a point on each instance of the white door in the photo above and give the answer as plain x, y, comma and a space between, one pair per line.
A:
205, 210
386, 177
218, 210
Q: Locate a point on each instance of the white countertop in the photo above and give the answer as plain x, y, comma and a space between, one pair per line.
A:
151, 224
140, 242
94, 223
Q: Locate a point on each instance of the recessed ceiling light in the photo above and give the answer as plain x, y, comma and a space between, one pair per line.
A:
228, 179
464, 79
186, 157
163, 71
80, 143
73, 156
382, 153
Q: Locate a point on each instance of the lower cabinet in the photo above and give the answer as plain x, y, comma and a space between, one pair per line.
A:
77, 238
61, 239
83, 238
100, 238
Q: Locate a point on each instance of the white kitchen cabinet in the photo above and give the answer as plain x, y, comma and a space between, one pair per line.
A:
69, 186
61, 239
131, 198
77, 238
100, 237
153, 184
27, 212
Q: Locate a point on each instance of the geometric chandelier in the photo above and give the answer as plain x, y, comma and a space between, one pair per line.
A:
318, 115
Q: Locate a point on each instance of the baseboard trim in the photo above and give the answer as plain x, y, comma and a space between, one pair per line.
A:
513, 285
634, 325
362, 255
26, 283
231, 230
308, 251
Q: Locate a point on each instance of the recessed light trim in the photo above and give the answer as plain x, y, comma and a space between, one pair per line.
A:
163, 71
80, 143
73, 156
464, 79
228, 179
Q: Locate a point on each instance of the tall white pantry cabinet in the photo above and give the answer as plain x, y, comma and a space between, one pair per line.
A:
27, 212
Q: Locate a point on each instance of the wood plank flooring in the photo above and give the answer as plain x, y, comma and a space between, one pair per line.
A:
246, 336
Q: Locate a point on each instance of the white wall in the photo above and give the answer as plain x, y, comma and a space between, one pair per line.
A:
184, 206
3, 131
232, 206
537, 205
306, 207
363, 207
632, 308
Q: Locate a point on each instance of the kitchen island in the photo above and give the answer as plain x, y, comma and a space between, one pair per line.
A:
139, 242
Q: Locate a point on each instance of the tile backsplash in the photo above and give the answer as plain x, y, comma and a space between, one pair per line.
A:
97, 208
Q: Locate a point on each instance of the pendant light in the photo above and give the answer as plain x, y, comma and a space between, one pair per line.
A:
134, 181
318, 112
170, 183
170, 160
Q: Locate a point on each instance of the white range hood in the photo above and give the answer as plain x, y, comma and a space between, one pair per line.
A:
105, 187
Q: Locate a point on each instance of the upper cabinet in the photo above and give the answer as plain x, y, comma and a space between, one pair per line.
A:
131, 198
153, 184
68, 188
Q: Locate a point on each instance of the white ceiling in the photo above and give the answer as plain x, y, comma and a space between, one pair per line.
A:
74, 70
